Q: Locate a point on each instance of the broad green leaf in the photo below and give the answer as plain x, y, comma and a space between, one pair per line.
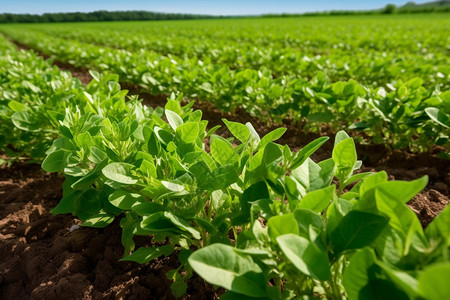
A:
56, 161
223, 152
340, 136
402, 191
188, 132
280, 225
433, 281
25, 120
174, 119
100, 220
220, 265
16, 106
124, 200
310, 224
361, 280
147, 208
403, 219
357, 230
271, 136
402, 279
166, 221
344, 155
240, 131
174, 106
318, 200
272, 154
120, 172
305, 256
224, 176
97, 155
439, 228
314, 176
370, 182
255, 192
437, 116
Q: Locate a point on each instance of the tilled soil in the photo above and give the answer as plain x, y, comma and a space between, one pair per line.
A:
42, 259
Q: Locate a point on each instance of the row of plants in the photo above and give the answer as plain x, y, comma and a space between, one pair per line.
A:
33, 95
355, 59
400, 115
248, 215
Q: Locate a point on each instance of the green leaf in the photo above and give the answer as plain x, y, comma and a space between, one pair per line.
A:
120, 172
97, 155
188, 133
56, 161
179, 287
433, 282
362, 280
220, 265
437, 116
340, 136
146, 254
271, 136
125, 200
255, 192
174, 119
345, 157
100, 220
306, 152
402, 191
26, 121
318, 200
147, 208
305, 256
223, 152
16, 106
370, 182
439, 228
402, 279
357, 230
280, 225
166, 221
240, 131
224, 176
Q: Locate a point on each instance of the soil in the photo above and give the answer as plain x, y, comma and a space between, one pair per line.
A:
43, 259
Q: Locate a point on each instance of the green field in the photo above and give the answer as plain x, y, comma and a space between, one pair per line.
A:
383, 75
260, 219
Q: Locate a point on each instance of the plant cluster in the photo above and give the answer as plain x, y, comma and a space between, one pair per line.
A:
244, 213
401, 115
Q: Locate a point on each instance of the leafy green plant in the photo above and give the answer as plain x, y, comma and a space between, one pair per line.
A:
410, 110
362, 242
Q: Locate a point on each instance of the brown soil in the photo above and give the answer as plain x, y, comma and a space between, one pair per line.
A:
42, 259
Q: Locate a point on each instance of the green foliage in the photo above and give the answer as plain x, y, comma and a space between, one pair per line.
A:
372, 79
290, 225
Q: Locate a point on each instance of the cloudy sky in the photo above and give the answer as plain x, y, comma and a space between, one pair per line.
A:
230, 7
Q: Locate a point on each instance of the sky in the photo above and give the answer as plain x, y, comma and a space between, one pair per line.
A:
230, 7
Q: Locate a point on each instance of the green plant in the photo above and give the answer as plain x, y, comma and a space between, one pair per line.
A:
361, 243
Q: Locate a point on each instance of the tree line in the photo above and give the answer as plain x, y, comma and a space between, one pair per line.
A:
101, 15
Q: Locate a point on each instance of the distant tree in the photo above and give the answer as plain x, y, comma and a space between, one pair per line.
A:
389, 9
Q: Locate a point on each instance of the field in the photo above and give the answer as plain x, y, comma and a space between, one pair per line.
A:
256, 158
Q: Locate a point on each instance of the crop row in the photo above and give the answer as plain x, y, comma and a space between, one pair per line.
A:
357, 59
246, 213
404, 114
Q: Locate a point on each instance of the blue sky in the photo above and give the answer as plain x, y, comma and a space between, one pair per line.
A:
231, 7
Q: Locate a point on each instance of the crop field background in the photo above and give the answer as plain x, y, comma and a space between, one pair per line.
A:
241, 158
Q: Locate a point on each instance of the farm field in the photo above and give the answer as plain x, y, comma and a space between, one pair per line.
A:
327, 178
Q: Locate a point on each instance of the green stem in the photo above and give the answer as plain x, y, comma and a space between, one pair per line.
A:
235, 235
